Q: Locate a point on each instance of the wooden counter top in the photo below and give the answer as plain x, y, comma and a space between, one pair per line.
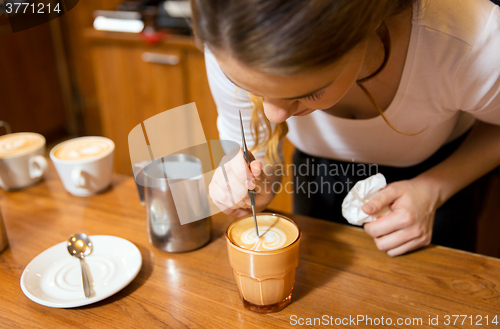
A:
341, 273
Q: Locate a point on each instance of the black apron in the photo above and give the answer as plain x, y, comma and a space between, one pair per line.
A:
330, 180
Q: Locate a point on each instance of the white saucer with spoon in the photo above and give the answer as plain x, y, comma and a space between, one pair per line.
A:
54, 278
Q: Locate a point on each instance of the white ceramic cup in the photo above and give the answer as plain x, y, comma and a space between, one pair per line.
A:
22, 161
84, 164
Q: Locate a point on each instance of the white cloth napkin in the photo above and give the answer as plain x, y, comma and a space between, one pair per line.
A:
360, 194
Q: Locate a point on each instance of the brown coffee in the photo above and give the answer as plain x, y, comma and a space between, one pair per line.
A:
20, 143
264, 268
82, 149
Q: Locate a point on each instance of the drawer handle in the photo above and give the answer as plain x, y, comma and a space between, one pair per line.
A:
160, 58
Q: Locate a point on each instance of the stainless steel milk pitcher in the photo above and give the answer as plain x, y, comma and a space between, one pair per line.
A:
176, 201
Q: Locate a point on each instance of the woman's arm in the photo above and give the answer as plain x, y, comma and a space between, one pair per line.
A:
229, 190
478, 155
415, 201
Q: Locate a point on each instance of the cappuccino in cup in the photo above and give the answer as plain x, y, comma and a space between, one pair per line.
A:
22, 161
264, 267
84, 164
82, 149
18, 144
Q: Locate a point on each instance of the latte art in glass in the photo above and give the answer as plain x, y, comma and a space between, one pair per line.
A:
15, 144
272, 238
275, 233
82, 149
264, 268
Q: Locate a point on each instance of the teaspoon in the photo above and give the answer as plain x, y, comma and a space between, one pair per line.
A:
79, 246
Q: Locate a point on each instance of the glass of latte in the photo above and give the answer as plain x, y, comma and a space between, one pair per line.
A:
22, 161
84, 164
264, 268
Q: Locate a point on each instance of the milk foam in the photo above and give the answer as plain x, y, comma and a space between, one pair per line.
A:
275, 233
274, 238
14, 144
81, 149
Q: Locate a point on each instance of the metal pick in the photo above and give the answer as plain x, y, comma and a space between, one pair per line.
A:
251, 193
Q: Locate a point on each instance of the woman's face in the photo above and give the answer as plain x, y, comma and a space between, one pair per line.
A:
297, 94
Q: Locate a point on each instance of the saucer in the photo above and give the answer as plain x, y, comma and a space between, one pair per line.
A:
54, 278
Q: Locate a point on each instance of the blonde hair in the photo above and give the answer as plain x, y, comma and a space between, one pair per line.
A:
272, 137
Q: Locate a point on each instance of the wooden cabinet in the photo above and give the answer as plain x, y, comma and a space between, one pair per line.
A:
135, 81
31, 93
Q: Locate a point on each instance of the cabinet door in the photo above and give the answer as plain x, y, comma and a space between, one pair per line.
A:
199, 92
31, 98
133, 84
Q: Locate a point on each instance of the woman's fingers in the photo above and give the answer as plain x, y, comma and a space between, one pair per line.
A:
231, 193
393, 221
393, 248
256, 168
240, 168
409, 246
229, 186
239, 213
409, 225
220, 196
401, 240
231, 182
238, 188
382, 199
398, 238
223, 199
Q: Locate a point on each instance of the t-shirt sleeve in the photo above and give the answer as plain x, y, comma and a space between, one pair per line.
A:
229, 100
478, 80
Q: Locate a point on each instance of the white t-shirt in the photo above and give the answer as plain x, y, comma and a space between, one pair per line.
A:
451, 76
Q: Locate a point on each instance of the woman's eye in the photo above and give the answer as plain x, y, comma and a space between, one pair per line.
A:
314, 97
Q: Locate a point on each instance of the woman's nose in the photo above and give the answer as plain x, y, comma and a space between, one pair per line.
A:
278, 110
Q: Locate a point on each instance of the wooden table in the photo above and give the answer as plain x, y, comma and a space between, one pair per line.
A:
341, 276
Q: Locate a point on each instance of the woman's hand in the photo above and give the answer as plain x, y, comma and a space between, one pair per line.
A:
231, 195
409, 225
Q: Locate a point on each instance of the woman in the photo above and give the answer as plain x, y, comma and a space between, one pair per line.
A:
399, 84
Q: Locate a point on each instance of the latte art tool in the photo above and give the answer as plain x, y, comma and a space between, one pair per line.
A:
251, 193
